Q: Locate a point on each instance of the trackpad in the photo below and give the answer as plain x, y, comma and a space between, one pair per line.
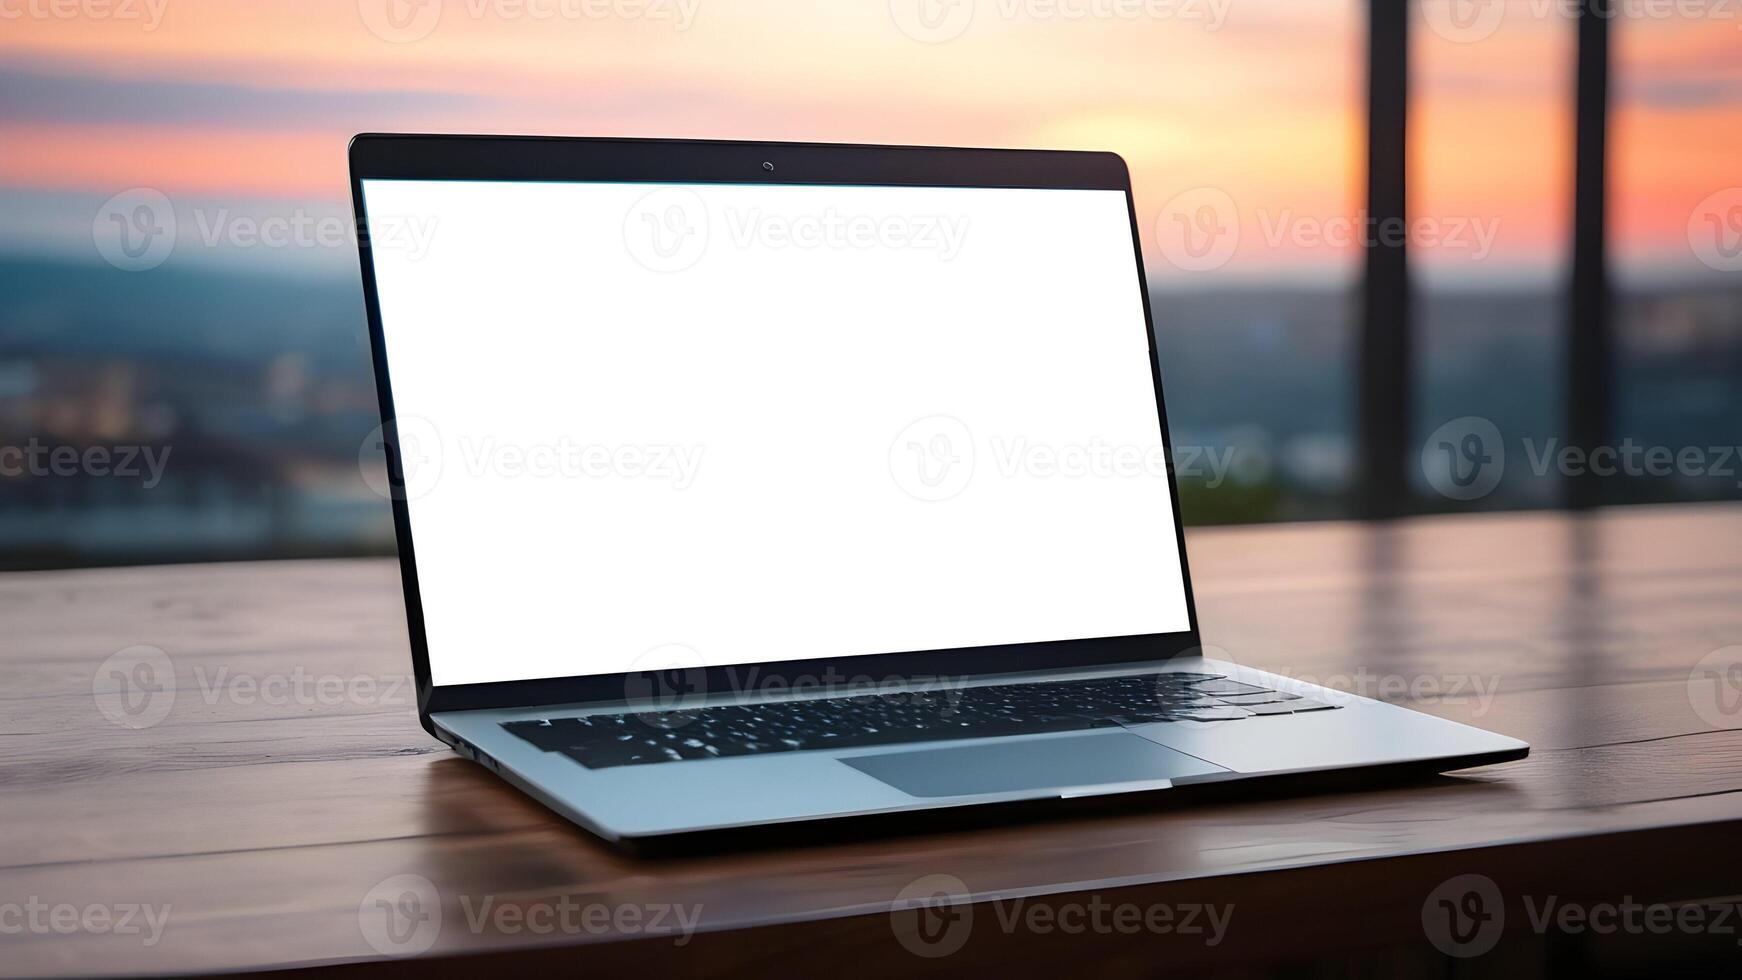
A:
1014, 764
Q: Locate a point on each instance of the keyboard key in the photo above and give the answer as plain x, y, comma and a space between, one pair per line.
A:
1231, 712
1268, 697
1225, 687
1274, 708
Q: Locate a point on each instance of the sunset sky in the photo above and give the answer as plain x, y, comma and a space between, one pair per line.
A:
247, 106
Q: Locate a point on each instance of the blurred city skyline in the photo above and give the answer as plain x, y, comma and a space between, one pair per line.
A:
238, 339
242, 111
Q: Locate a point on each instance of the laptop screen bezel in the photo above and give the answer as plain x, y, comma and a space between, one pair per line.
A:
521, 158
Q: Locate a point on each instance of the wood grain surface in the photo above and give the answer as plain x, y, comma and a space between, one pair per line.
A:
260, 817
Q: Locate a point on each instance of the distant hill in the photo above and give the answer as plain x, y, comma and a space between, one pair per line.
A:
95, 310
261, 382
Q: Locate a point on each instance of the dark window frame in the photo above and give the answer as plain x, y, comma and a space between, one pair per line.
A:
1385, 377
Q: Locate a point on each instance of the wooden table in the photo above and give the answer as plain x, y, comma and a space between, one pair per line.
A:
289, 779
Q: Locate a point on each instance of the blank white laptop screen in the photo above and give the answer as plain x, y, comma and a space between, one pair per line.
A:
759, 423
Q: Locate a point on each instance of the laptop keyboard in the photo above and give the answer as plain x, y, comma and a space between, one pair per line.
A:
640, 738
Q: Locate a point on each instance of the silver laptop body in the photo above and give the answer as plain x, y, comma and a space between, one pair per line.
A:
742, 484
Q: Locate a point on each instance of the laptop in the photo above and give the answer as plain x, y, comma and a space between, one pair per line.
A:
745, 484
